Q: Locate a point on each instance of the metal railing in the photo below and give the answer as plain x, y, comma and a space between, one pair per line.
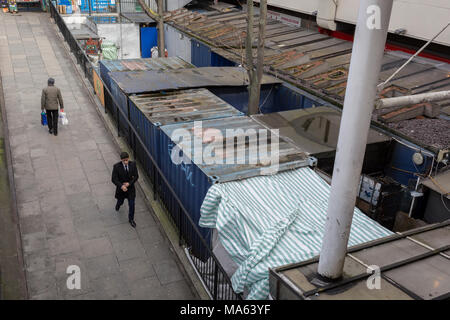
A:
81, 56
206, 263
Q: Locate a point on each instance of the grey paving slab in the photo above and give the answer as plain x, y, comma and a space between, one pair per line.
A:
179, 290
32, 224
40, 281
128, 249
39, 260
62, 226
167, 271
148, 288
63, 184
150, 235
96, 247
136, 269
102, 266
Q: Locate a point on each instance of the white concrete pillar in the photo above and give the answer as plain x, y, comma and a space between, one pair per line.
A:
365, 64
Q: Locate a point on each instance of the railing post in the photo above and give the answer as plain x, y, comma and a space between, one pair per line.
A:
180, 237
118, 120
216, 280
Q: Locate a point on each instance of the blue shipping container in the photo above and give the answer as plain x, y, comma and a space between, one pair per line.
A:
148, 112
191, 180
202, 56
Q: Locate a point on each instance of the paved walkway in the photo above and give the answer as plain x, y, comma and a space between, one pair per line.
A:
64, 194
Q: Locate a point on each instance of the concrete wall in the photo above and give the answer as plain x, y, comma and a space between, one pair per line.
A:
129, 46
177, 44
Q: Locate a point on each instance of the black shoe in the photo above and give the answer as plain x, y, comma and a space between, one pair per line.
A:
133, 224
117, 207
55, 133
50, 131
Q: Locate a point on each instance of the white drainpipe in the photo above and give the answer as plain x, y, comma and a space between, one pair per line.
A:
413, 99
365, 64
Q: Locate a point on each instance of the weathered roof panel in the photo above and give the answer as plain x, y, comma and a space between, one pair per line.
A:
151, 81
235, 166
182, 106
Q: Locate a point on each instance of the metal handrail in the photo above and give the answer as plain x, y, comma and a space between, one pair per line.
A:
82, 59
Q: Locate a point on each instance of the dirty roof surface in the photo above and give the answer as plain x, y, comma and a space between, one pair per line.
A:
151, 81
313, 61
246, 158
164, 108
401, 258
434, 132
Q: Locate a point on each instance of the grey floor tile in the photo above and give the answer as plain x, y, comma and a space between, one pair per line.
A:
102, 266
96, 247
128, 249
167, 271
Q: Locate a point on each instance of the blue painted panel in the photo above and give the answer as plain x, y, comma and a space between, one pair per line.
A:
274, 98
401, 166
200, 54
149, 39
219, 61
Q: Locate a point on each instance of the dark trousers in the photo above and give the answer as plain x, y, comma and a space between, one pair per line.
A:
52, 120
130, 207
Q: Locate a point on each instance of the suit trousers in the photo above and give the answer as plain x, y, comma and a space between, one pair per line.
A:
130, 207
52, 120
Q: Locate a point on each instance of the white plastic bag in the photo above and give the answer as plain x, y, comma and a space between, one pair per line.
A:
63, 117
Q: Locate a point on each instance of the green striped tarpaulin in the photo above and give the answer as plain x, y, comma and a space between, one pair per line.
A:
269, 221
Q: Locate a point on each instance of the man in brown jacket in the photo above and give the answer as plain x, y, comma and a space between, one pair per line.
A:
50, 99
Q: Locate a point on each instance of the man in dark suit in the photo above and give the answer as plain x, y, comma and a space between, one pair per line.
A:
124, 175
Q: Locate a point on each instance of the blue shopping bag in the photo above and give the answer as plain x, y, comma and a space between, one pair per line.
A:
43, 118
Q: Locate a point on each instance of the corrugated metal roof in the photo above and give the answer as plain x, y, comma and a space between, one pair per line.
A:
314, 130
150, 81
311, 60
124, 65
182, 106
250, 164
